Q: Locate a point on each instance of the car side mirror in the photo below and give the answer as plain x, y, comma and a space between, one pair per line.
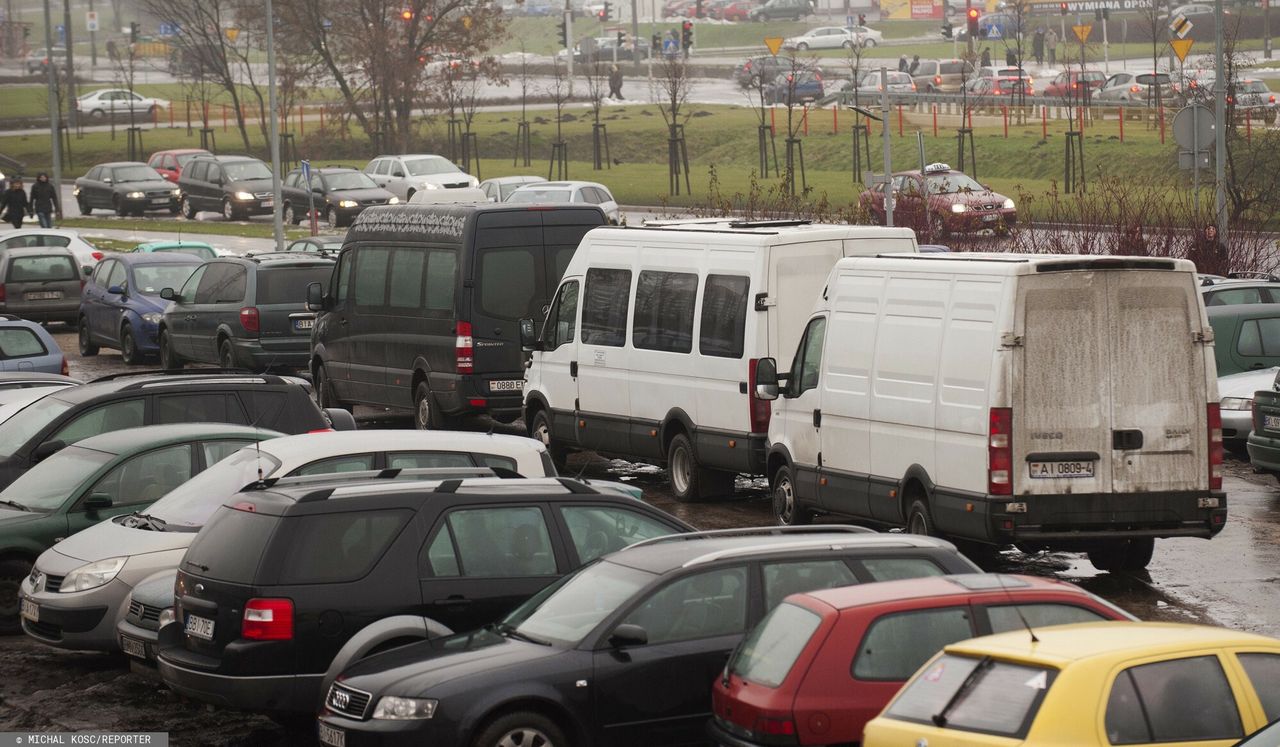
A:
528, 336
116, 290
98, 502
766, 379
106, 180
628, 634
316, 300
168, 294
47, 449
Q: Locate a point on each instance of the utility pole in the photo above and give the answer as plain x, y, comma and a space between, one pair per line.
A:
273, 131
93, 44
635, 37
888, 155
71, 68
1220, 123
52, 78
1266, 29
568, 40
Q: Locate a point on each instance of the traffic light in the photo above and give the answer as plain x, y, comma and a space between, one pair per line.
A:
655, 43
686, 35
622, 40
1062, 8
1106, 14
1097, 15
972, 18
563, 32
605, 12
406, 15
133, 32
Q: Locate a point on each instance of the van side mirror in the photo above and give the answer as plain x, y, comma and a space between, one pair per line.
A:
98, 502
627, 634
766, 379
315, 298
47, 449
528, 336
168, 294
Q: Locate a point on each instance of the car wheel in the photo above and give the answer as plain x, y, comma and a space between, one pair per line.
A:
228, 210
847, 45
786, 509
87, 348
188, 210
409, 195
11, 574
426, 413
120, 210
226, 354
129, 346
1123, 555
521, 729
151, 112
801, 47
690, 481
919, 521
169, 359
324, 391
540, 429
868, 42
288, 217
97, 114
84, 209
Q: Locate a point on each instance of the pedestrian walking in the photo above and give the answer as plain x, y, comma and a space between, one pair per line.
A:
902, 64
44, 200
915, 63
986, 57
615, 83
1010, 58
14, 206
1209, 253
1037, 46
1051, 47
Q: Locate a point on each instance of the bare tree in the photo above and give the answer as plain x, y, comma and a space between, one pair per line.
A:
670, 88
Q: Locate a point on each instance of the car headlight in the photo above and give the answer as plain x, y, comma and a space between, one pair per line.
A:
348, 203
429, 185
958, 208
243, 195
92, 575
394, 201
395, 708
136, 195
152, 318
1235, 403
74, 193
167, 617
1008, 203
176, 193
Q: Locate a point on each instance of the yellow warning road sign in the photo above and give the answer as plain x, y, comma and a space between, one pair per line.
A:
232, 34
774, 43
1082, 31
1181, 47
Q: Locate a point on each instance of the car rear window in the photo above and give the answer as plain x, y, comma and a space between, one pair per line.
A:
952, 68
338, 548
191, 503
151, 279
1147, 79
897, 644
289, 284
508, 279
972, 694
16, 342
39, 268
767, 655
229, 548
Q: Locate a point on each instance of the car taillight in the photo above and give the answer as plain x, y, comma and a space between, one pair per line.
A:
1215, 445
775, 727
913, 86
1134, 89
759, 409
268, 620
249, 319
1000, 451
66, 370
97, 255
937, 79
464, 349
1271, 99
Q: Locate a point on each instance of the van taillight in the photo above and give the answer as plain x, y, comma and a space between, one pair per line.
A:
249, 318
464, 349
268, 620
1000, 452
759, 408
1215, 445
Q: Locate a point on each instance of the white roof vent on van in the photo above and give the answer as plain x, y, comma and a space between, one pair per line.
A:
935, 168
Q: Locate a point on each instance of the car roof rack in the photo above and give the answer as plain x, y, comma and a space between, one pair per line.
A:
878, 540
570, 484
779, 223
335, 480
1251, 275
178, 372
754, 532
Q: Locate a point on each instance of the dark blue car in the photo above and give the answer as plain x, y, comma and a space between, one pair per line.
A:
120, 306
793, 88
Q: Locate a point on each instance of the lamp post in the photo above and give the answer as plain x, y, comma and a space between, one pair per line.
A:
1220, 123
273, 129
52, 77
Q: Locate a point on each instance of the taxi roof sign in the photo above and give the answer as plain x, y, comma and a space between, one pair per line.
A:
774, 43
934, 168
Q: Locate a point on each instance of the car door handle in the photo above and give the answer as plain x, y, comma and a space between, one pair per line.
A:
457, 600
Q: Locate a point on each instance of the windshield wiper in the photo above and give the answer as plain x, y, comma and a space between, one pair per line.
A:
940, 718
16, 505
510, 631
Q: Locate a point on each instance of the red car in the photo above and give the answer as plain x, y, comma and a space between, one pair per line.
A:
939, 201
170, 162
733, 11
1074, 84
824, 663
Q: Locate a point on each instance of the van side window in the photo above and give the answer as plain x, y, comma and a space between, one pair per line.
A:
664, 311
724, 316
342, 278
604, 313
406, 278
371, 277
442, 278
804, 373
232, 290
212, 283
563, 319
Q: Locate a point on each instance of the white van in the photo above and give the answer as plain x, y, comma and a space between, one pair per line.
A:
650, 346
1064, 402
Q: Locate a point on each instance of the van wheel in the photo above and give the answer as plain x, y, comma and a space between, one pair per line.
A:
919, 521
1123, 555
169, 359
540, 429
87, 348
426, 413
690, 481
521, 729
786, 507
11, 574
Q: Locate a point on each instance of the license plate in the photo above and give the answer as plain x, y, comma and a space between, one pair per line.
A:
1271, 422
268, 203
200, 627
332, 737
160, 201
507, 385
304, 323
1055, 470
133, 647
30, 610
990, 218
43, 296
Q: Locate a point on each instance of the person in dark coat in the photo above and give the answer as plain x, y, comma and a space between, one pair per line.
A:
615, 83
1209, 252
986, 57
1037, 46
915, 64
902, 64
14, 206
1011, 58
44, 200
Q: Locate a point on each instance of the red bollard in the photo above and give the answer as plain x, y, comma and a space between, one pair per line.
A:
302, 127
773, 124
1160, 112
1044, 123
1120, 111
1004, 112
935, 120
971, 119
155, 117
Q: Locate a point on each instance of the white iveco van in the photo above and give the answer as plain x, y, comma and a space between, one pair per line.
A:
650, 347
1064, 402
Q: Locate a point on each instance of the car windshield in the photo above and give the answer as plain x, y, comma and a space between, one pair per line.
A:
349, 180
50, 483
541, 195
289, 284
150, 279
427, 166
1148, 79
952, 182
17, 430
1252, 86
238, 171
135, 174
571, 609
194, 501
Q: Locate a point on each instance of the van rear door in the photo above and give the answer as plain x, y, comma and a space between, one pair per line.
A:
1109, 389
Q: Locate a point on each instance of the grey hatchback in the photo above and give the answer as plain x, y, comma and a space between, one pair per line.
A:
40, 283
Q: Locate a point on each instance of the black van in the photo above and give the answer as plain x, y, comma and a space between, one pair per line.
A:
423, 311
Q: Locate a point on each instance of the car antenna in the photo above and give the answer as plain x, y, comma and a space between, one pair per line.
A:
1016, 608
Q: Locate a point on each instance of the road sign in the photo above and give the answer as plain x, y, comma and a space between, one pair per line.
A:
1082, 31
168, 28
466, 22
232, 34
1180, 26
91, 20
326, 24
848, 21
774, 43
1181, 47
670, 47
995, 32
1193, 127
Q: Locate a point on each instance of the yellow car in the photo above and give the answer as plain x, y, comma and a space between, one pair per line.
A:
1106, 683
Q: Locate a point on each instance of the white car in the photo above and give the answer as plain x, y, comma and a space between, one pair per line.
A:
402, 176
110, 101
823, 37
87, 255
1235, 392
591, 193
499, 188
867, 36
